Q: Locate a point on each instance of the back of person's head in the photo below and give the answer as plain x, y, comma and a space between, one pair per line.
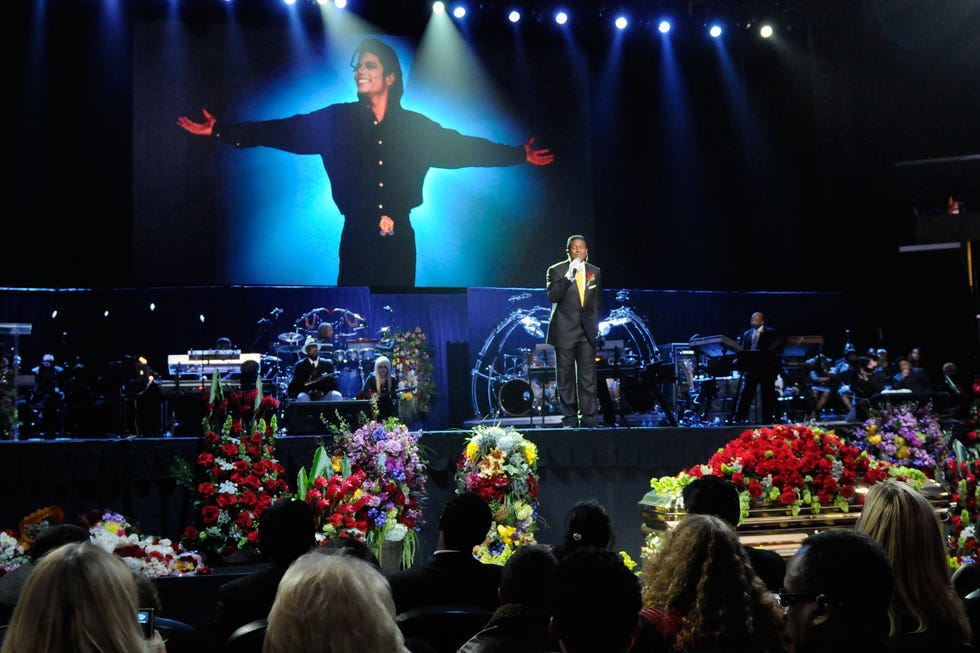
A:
847, 579
906, 525
586, 524
595, 601
53, 536
465, 521
287, 530
337, 603
702, 571
389, 62
249, 374
713, 495
350, 546
527, 574
78, 597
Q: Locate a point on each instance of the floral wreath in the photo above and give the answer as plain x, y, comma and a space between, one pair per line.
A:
500, 465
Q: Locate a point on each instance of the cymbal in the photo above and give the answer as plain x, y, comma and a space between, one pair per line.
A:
270, 359
291, 338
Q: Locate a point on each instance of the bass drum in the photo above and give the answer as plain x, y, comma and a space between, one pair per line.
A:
516, 397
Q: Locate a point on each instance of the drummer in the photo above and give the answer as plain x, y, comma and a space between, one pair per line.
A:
313, 377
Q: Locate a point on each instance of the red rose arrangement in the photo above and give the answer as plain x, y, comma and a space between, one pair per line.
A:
241, 476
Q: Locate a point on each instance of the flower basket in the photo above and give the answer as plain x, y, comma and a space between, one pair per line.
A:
500, 465
382, 490
150, 556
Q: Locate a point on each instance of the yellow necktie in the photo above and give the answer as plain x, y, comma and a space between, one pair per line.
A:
580, 281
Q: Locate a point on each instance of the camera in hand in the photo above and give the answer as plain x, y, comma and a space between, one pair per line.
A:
145, 618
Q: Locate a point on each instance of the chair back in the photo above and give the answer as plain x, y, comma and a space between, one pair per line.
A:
247, 638
443, 627
180, 637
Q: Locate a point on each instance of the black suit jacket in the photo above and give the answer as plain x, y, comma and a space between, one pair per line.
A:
306, 371
770, 347
245, 599
569, 318
449, 577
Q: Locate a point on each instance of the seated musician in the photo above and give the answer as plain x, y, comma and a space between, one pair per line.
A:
381, 386
313, 377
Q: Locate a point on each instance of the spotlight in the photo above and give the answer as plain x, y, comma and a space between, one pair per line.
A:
561, 18
715, 31
514, 16
438, 7
340, 4
765, 31
290, 2
459, 11
664, 26
621, 22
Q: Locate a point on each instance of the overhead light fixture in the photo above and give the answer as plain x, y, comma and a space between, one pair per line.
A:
715, 31
459, 11
514, 16
561, 17
664, 26
765, 31
621, 22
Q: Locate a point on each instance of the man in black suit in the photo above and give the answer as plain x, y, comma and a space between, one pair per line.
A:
575, 291
452, 575
714, 495
313, 376
287, 530
759, 366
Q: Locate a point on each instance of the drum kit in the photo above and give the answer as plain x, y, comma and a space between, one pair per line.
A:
339, 333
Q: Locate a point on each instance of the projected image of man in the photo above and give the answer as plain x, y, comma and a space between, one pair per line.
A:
376, 154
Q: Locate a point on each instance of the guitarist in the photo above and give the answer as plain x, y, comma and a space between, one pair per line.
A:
313, 377
381, 385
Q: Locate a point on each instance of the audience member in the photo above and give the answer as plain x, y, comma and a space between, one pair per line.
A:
925, 612
520, 624
701, 593
587, 524
338, 603
452, 575
286, 531
356, 548
837, 590
714, 495
12, 583
78, 598
594, 602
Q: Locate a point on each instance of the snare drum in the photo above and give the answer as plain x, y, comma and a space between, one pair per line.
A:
516, 397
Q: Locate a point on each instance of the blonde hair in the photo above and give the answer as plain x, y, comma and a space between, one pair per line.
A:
378, 363
333, 603
908, 528
78, 598
703, 572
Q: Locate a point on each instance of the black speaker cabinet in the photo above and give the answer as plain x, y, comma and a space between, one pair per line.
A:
306, 417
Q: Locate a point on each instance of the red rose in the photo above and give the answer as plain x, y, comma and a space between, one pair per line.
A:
206, 490
190, 533
205, 459
243, 520
225, 500
209, 514
229, 449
